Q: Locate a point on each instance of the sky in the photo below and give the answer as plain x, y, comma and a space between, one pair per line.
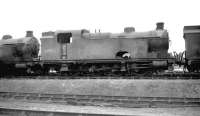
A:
17, 16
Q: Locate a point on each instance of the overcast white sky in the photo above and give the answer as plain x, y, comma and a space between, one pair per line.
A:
17, 16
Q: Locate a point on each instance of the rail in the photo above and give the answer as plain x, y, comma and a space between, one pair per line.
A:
102, 101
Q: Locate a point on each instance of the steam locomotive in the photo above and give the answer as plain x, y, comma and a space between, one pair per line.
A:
79, 52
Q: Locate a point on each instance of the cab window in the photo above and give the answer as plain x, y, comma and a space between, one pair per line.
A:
64, 37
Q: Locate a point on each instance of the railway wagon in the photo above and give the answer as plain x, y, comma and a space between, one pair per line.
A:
82, 51
192, 47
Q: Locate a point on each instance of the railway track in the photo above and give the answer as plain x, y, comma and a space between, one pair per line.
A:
20, 112
42, 109
37, 109
102, 101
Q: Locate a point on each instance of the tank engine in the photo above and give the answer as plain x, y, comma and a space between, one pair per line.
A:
79, 51
18, 53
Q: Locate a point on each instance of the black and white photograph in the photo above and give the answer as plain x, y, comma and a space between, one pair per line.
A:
99, 58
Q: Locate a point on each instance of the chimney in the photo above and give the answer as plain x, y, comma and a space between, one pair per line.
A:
29, 33
159, 26
129, 29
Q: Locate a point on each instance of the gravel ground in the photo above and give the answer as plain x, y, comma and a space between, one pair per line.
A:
106, 87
